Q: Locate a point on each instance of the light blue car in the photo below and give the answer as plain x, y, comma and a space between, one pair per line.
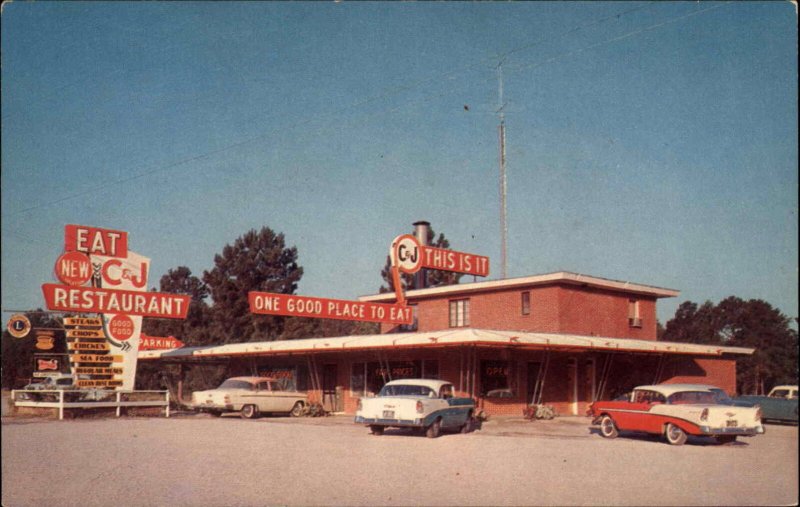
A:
779, 405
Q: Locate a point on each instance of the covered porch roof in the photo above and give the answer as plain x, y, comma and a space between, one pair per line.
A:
437, 339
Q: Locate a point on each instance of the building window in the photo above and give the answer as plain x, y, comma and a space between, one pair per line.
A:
430, 369
634, 317
496, 379
358, 376
526, 303
459, 313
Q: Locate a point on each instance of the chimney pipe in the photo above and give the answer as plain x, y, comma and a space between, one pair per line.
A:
421, 229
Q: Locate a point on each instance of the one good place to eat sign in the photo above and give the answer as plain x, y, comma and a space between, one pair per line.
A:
99, 275
268, 303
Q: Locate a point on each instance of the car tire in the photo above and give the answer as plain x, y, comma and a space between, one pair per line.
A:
608, 428
249, 412
725, 439
376, 430
434, 429
297, 409
675, 435
467, 427
216, 413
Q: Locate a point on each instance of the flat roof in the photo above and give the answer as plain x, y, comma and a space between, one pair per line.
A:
439, 339
549, 278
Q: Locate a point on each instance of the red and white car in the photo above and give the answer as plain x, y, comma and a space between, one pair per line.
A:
676, 411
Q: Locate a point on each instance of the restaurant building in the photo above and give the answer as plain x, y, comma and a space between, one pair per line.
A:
562, 339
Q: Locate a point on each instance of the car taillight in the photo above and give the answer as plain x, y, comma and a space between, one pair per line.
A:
420, 407
704, 415
227, 399
758, 413
359, 406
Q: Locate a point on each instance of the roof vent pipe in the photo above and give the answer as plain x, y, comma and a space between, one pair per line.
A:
421, 231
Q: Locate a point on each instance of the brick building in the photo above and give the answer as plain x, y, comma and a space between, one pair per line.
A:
561, 338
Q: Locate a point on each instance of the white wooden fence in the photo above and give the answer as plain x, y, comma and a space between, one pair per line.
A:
117, 403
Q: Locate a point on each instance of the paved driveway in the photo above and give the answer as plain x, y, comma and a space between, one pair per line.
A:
200, 460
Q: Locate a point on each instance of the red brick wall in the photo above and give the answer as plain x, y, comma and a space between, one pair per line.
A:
554, 309
593, 312
720, 372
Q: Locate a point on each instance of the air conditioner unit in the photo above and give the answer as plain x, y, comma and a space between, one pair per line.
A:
635, 322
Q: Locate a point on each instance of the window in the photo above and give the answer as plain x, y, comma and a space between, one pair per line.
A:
357, 377
526, 303
496, 379
634, 318
446, 392
430, 369
368, 378
459, 313
648, 397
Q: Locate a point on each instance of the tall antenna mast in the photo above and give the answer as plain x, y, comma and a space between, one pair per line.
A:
503, 183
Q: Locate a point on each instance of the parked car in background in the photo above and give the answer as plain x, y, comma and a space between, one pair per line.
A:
250, 396
676, 411
423, 404
779, 405
47, 389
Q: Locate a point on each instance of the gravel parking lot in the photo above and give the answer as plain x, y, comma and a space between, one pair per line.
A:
201, 460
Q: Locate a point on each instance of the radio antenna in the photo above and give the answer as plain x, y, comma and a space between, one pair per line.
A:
503, 182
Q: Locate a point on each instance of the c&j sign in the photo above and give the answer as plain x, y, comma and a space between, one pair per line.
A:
99, 275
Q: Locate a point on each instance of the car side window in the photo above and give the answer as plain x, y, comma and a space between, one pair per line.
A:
446, 392
649, 397
263, 386
276, 386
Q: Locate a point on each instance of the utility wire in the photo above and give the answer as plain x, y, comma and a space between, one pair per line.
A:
359, 103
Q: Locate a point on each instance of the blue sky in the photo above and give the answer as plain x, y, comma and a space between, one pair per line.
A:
649, 142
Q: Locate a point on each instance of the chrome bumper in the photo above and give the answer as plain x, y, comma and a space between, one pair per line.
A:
388, 422
745, 432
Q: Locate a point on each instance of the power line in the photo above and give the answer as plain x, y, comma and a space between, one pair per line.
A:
621, 37
359, 103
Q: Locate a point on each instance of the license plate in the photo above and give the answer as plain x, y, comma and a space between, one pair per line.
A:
209, 402
731, 424
388, 414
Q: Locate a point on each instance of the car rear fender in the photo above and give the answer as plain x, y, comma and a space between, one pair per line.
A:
688, 427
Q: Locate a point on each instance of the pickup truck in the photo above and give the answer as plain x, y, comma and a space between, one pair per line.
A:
779, 405
425, 405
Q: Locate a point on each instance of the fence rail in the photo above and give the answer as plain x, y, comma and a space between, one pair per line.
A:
61, 404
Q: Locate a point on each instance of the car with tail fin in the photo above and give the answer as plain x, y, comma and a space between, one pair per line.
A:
426, 405
676, 411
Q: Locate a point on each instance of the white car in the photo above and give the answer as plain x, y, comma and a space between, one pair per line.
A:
676, 411
250, 396
424, 404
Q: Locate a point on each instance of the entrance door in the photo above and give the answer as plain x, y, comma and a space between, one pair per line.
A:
329, 377
533, 376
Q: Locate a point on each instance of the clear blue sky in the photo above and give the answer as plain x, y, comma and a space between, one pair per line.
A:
649, 142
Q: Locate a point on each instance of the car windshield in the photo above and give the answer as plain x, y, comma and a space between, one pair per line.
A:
780, 393
692, 398
236, 384
406, 390
64, 382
